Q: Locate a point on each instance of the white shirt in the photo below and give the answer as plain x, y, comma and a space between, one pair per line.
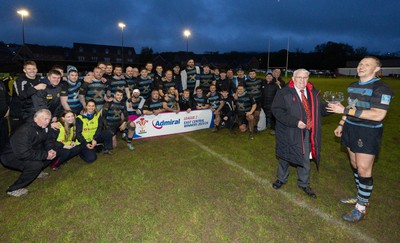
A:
299, 93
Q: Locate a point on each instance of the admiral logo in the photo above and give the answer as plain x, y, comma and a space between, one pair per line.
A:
161, 124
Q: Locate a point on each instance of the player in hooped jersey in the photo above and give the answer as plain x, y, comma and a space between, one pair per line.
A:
361, 130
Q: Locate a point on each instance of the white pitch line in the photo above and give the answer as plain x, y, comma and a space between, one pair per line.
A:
333, 220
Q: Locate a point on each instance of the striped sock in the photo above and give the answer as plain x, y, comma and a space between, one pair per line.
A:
364, 190
356, 179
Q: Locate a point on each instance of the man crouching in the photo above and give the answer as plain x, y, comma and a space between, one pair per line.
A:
28, 152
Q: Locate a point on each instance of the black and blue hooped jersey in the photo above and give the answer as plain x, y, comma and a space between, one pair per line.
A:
71, 90
116, 84
112, 113
253, 87
145, 86
95, 90
214, 100
172, 103
192, 77
200, 100
366, 95
244, 103
130, 83
206, 80
152, 105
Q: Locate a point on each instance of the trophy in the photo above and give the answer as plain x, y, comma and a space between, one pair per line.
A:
333, 97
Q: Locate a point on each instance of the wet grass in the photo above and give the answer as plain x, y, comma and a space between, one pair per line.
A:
171, 190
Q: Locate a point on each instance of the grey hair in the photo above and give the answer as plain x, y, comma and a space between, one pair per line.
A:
301, 70
41, 111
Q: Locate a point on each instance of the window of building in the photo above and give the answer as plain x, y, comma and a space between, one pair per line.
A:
119, 52
118, 59
129, 60
107, 51
94, 59
94, 50
107, 59
81, 58
80, 49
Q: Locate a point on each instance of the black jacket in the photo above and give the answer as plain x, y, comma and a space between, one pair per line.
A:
4, 100
29, 143
49, 98
268, 92
21, 102
288, 110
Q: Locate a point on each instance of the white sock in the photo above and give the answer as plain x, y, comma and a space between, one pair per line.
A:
360, 207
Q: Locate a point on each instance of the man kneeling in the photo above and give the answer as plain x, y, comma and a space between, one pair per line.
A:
29, 152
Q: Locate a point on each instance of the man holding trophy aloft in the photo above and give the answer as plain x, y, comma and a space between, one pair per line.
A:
361, 130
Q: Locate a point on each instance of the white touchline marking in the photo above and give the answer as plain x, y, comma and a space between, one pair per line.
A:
333, 220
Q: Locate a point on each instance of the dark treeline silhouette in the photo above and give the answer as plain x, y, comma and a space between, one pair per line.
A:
326, 56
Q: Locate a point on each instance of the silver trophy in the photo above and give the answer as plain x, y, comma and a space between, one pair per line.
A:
333, 97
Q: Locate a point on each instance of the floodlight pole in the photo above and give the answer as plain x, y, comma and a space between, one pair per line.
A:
269, 46
187, 33
122, 26
23, 13
287, 57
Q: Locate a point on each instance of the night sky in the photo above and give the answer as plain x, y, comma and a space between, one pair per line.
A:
216, 25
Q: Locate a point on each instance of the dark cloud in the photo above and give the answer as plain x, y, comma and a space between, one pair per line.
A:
216, 25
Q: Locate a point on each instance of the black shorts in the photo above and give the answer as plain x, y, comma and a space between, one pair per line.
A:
361, 139
242, 119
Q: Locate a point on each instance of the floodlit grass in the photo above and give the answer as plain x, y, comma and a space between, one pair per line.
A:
171, 190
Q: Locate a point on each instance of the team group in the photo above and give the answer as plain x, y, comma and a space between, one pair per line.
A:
73, 116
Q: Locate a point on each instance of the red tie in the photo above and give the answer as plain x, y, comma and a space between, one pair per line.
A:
307, 109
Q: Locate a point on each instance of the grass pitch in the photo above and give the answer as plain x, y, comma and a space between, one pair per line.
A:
204, 186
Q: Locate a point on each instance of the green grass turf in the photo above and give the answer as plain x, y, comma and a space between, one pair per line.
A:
171, 190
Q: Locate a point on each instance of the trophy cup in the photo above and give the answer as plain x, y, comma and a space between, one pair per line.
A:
333, 97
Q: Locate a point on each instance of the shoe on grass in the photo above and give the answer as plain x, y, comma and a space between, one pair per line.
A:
354, 216
349, 200
307, 190
42, 175
130, 146
277, 184
106, 151
215, 129
251, 136
18, 193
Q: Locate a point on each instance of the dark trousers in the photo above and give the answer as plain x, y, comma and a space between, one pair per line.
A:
106, 139
66, 154
15, 123
30, 170
230, 122
4, 136
89, 155
303, 171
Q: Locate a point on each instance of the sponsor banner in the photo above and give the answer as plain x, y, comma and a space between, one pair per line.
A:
172, 123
